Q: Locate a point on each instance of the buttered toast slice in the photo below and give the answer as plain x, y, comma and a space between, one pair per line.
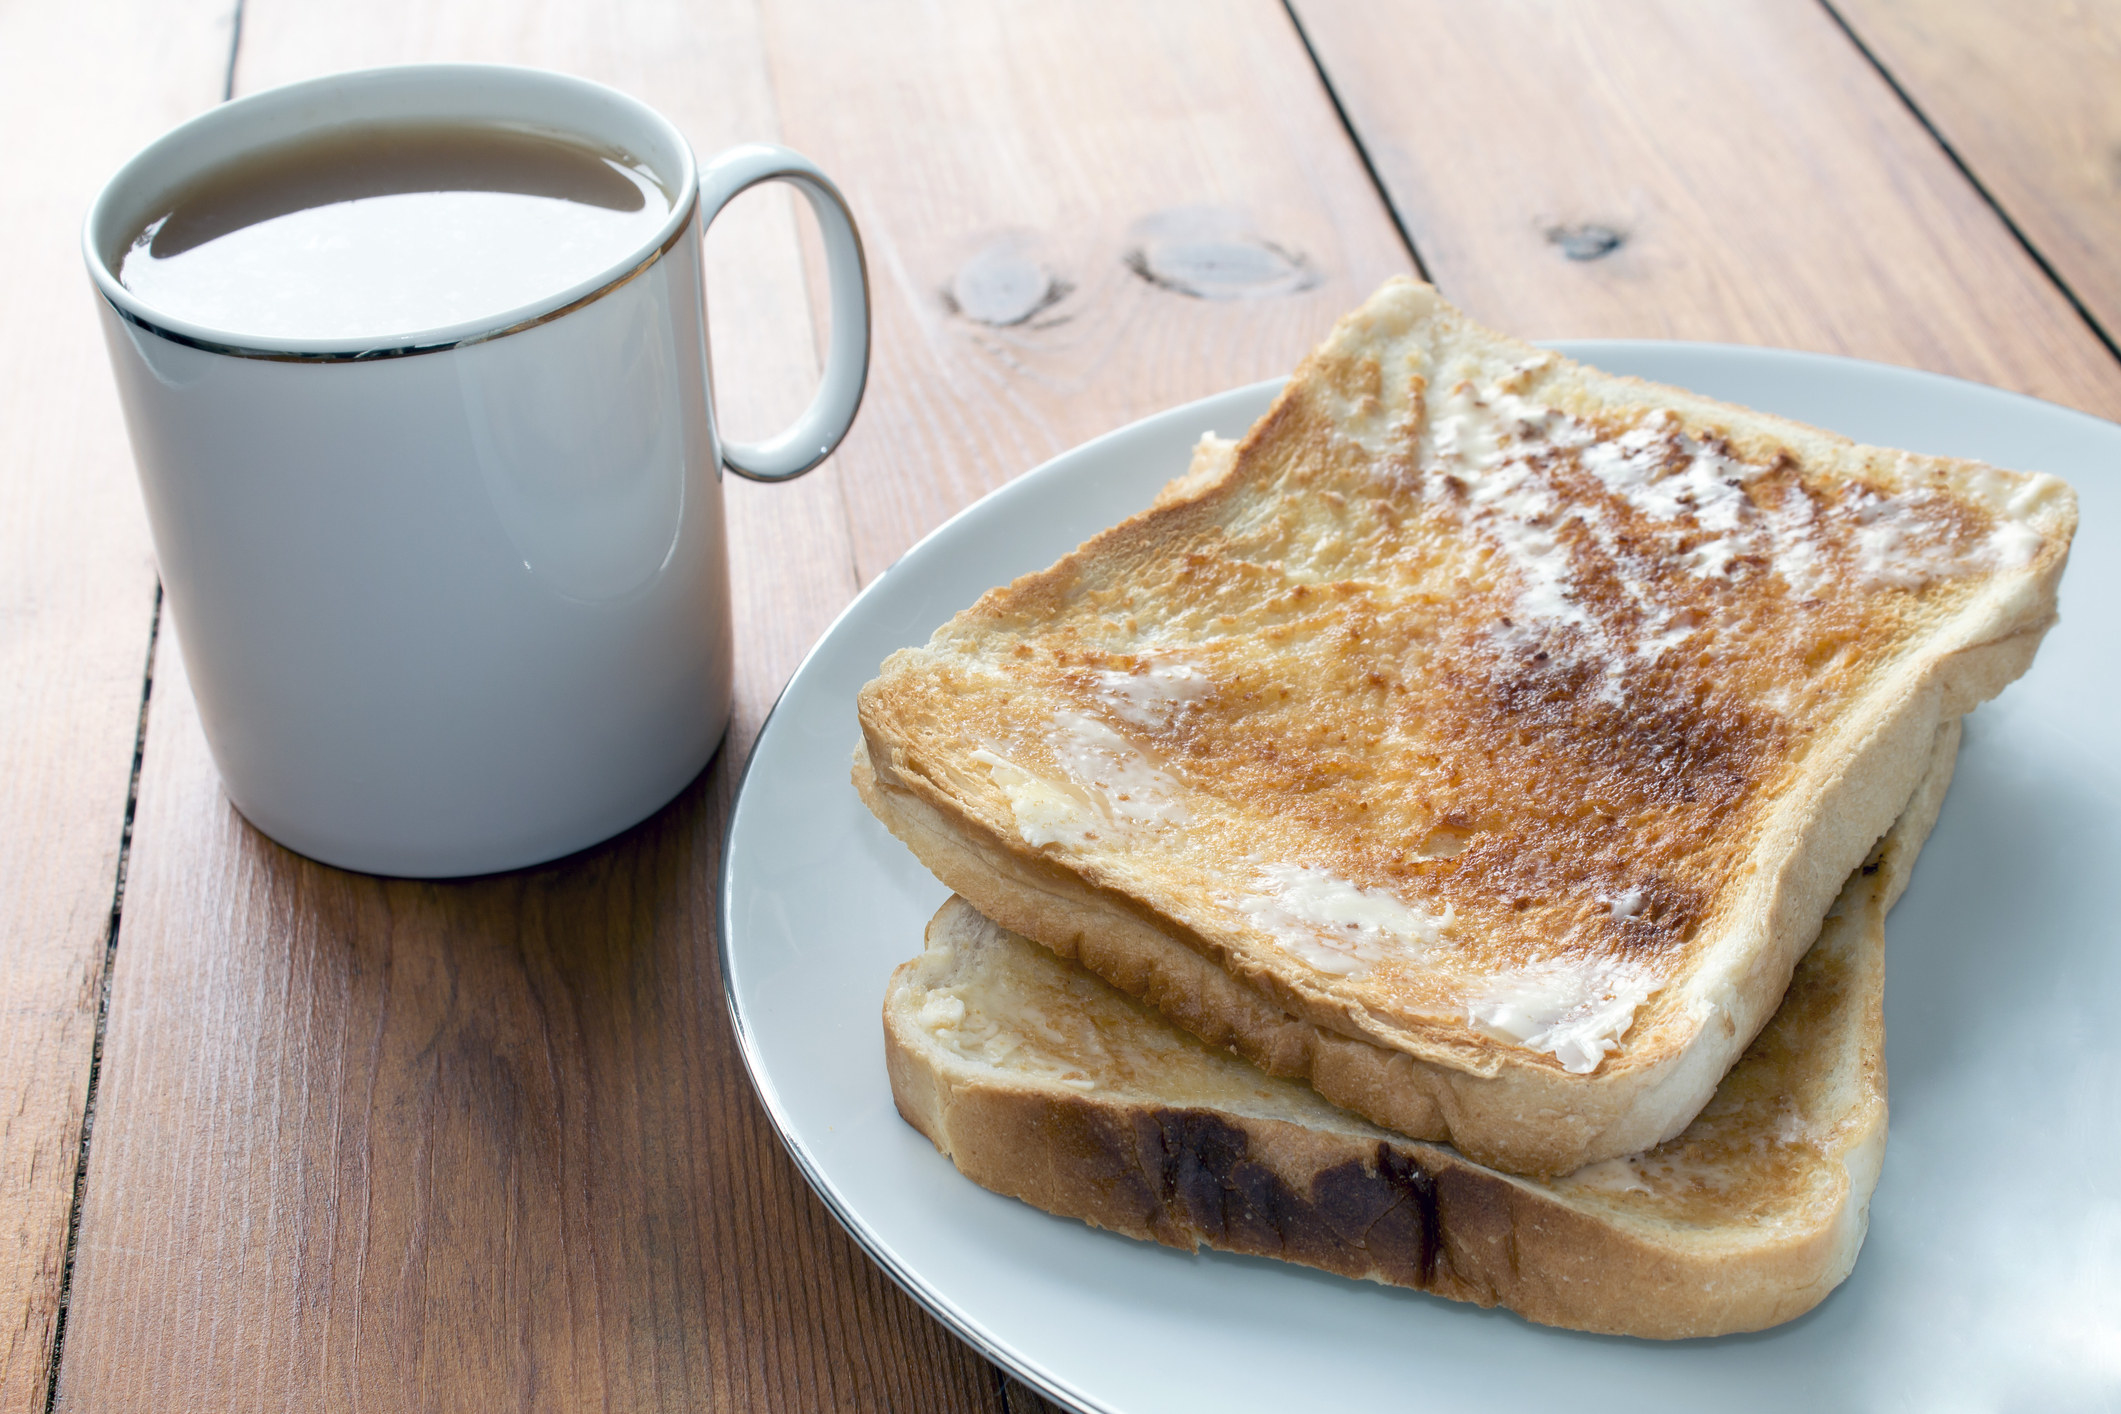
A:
1043, 1083
1482, 740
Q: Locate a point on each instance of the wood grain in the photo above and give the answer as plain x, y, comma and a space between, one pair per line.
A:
79, 90
1668, 169
1076, 169
390, 1145
2029, 96
369, 1145
1020, 1398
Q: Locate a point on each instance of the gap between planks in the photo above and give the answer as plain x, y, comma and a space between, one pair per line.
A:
1905, 259
57, 1354
1973, 179
110, 957
1362, 152
2047, 268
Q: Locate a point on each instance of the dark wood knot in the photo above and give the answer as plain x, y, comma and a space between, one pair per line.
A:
1211, 253
1586, 242
1002, 286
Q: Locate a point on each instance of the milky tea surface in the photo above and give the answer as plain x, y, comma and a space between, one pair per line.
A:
376, 231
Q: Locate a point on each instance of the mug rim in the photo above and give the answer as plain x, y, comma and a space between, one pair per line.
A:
261, 109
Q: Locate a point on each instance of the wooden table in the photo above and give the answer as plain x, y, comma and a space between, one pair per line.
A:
273, 1136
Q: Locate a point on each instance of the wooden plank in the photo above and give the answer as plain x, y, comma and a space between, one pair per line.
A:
2029, 97
79, 90
1076, 215
392, 1145
1669, 169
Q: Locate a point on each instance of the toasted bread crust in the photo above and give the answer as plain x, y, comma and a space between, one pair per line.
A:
1727, 820
1348, 1199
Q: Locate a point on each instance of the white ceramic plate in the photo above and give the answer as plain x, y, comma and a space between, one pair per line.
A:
1992, 1276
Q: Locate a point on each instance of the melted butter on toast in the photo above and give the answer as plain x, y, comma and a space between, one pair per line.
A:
1462, 690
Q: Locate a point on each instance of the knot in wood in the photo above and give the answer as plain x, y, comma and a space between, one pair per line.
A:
1002, 286
1586, 242
1209, 253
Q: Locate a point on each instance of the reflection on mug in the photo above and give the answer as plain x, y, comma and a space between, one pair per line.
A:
173, 365
584, 456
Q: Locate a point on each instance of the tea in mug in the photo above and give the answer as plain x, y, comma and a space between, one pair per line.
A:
384, 231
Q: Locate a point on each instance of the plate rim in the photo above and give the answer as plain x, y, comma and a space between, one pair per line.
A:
959, 1322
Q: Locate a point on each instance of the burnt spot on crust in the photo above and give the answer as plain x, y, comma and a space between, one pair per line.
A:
1360, 1219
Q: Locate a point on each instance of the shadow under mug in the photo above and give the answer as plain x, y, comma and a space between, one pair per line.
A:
457, 600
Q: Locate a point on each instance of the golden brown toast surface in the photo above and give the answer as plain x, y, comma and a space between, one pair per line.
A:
1486, 708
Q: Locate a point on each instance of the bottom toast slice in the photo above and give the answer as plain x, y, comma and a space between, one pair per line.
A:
1042, 1082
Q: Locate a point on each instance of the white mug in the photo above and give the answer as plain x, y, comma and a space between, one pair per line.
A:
457, 600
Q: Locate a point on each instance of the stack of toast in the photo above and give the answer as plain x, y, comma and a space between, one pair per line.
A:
1446, 839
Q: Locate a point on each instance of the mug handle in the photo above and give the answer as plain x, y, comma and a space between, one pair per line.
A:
839, 392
